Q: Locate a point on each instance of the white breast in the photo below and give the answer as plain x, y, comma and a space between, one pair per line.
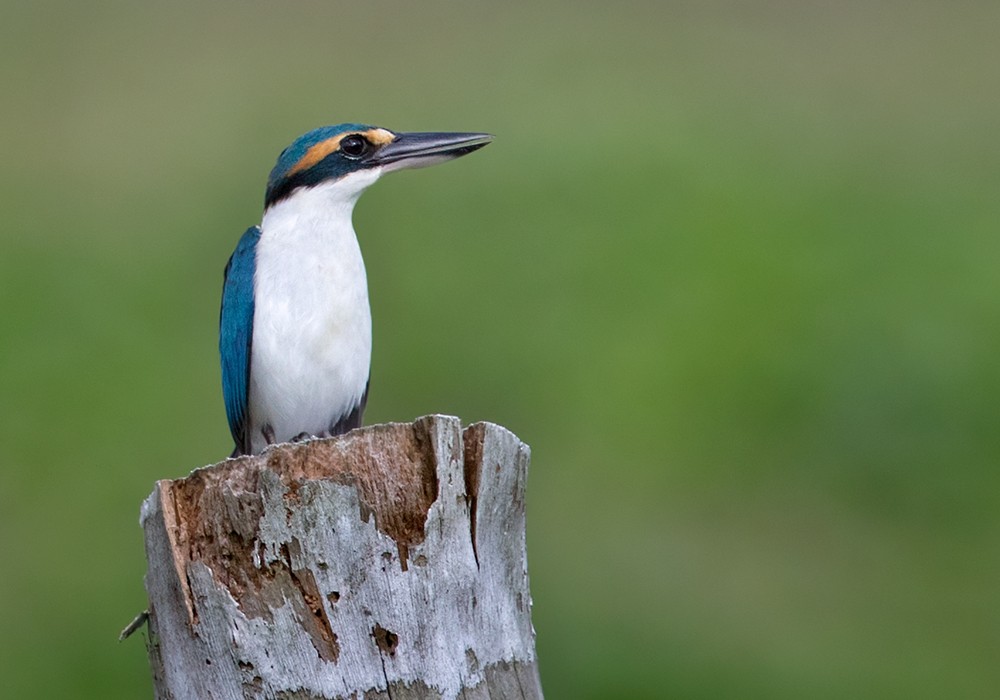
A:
312, 337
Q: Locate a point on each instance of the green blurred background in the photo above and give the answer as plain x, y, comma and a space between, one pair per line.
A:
729, 268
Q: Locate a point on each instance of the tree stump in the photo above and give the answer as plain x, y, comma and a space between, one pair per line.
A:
386, 563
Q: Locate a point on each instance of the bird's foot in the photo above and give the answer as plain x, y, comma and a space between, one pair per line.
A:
268, 432
302, 437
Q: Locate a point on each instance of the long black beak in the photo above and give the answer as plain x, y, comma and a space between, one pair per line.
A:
418, 149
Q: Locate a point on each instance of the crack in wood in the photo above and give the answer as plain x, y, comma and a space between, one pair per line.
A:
318, 626
472, 448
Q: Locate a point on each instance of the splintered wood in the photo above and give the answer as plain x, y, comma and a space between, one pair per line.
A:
386, 563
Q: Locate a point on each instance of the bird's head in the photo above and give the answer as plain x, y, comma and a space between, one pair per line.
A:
357, 154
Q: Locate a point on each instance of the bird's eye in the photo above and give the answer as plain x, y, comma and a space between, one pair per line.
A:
353, 146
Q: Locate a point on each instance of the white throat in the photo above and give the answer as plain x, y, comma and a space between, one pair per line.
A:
311, 352
329, 202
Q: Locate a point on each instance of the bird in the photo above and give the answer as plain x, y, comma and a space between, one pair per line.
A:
295, 329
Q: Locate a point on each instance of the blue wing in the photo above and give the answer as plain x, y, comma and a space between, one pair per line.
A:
236, 336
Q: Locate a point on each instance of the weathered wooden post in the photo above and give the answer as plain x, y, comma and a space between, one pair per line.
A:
386, 563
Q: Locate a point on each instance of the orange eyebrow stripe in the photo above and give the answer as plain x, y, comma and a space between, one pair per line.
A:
379, 137
317, 153
321, 150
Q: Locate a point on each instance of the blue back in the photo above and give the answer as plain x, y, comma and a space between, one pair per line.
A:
236, 335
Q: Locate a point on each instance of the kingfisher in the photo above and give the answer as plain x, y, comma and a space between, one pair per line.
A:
295, 330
